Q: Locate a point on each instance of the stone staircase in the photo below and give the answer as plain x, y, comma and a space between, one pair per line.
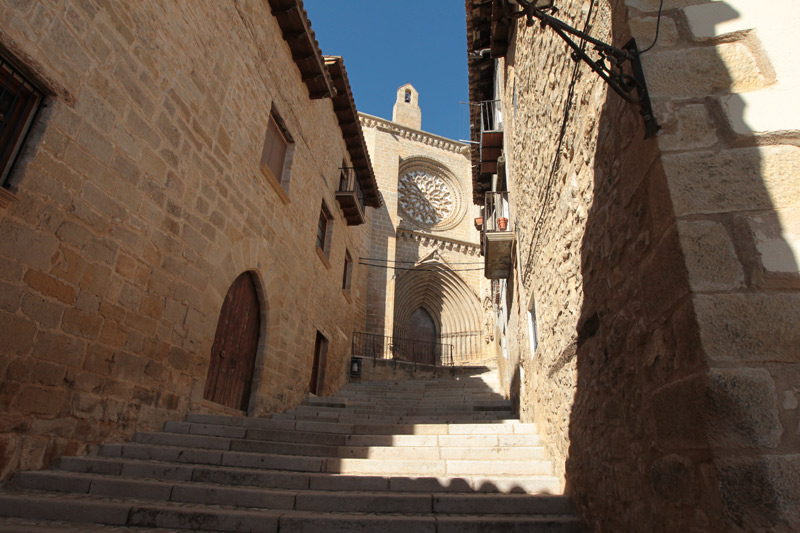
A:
417, 456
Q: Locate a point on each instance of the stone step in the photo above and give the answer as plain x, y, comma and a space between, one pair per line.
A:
281, 499
404, 419
443, 440
296, 463
240, 445
371, 451
523, 436
176, 454
438, 467
219, 518
275, 479
434, 452
502, 426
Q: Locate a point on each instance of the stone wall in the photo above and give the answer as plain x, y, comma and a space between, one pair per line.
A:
663, 272
138, 201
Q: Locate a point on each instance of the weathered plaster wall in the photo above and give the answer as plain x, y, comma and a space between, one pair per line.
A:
139, 201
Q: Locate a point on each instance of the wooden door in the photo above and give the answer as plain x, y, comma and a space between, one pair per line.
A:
318, 367
421, 331
233, 353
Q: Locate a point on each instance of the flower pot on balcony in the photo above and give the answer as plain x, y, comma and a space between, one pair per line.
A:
502, 224
478, 223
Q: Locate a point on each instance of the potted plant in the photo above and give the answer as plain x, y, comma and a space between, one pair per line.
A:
502, 223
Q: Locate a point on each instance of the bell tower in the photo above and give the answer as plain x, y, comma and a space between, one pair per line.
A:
406, 109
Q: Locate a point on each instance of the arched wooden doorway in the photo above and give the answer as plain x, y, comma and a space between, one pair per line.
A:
233, 354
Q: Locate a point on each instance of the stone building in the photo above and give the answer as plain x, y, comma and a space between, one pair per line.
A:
650, 296
425, 276
193, 183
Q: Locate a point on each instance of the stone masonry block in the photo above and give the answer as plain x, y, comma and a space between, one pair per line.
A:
742, 409
693, 129
725, 69
749, 327
776, 239
678, 412
761, 493
733, 180
710, 257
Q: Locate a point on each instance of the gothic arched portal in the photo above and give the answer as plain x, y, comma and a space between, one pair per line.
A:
454, 311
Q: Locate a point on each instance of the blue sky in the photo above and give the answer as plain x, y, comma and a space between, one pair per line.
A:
386, 43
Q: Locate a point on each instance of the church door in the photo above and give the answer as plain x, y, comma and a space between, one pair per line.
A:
233, 353
421, 331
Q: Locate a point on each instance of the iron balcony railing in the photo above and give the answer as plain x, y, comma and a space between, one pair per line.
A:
370, 345
491, 115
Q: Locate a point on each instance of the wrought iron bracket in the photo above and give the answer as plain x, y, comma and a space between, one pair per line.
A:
610, 66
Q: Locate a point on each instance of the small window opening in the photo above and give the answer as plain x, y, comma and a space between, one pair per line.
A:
324, 229
277, 151
19, 102
408, 96
347, 275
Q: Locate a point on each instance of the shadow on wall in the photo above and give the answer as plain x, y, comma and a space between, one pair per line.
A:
668, 432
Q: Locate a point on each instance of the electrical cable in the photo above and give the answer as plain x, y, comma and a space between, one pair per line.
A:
658, 26
390, 267
413, 262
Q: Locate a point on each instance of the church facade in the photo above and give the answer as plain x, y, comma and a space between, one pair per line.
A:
425, 269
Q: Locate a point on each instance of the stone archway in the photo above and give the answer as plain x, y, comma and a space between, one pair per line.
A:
453, 308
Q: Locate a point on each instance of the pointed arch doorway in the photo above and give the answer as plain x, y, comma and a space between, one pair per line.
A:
233, 354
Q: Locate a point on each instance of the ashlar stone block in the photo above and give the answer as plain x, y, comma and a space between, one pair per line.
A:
742, 409
733, 180
710, 257
749, 327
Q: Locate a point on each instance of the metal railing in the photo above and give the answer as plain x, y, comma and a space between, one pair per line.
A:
467, 345
351, 183
491, 116
377, 347
495, 209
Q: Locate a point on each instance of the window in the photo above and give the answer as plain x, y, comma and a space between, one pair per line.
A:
408, 96
324, 232
19, 101
347, 275
533, 334
276, 156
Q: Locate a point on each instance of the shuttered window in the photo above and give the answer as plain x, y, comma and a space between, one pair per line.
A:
275, 147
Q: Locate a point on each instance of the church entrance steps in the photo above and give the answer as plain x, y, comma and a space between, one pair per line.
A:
325, 466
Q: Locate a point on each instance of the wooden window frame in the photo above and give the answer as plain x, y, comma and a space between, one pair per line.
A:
324, 235
276, 156
347, 275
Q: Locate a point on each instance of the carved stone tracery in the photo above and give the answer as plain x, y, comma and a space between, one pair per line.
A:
425, 197
429, 195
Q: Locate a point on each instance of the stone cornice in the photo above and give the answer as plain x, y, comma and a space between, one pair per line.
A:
444, 243
369, 121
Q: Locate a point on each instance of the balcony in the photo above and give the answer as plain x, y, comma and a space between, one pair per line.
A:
491, 135
497, 236
350, 196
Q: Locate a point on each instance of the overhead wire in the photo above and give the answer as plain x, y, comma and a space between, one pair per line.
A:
658, 26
